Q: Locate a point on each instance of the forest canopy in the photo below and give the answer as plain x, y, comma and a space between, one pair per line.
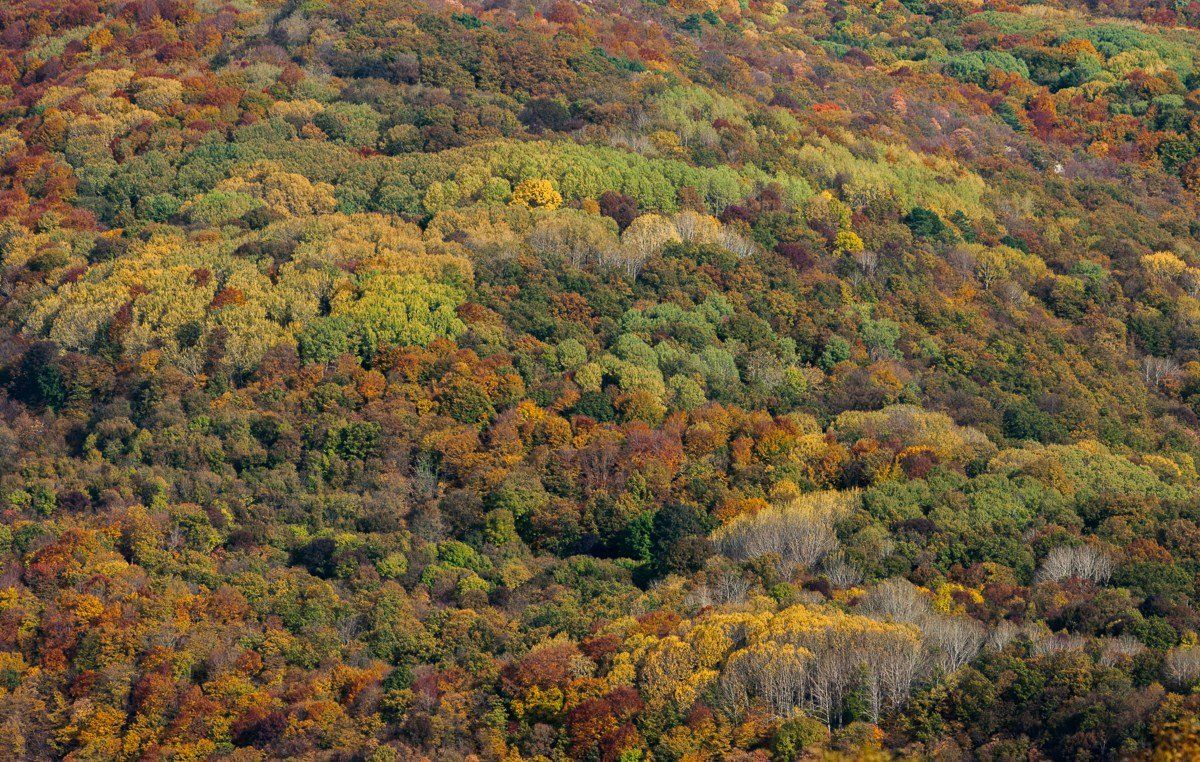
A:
655, 380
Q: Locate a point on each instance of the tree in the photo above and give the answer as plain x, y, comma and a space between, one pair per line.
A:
799, 533
772, 673
697, 228
678, 539
645, 237
952, 640
896, 599
1163, 265
579, 238
797, 736
537, 193
38, 380
621, 208
925, 223
283, 193
355, 124
1182, 666
386, 310
545, 114
1078, 562
1156, 370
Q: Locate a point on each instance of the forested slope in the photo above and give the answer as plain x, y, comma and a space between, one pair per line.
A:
615, 380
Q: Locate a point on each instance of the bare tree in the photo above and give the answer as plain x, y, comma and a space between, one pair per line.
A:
896, 599
579, 238
1042, 643
890, 669
1001, 635
774, 673
798, 534
839, 571
853, 654
831, 678
1116, 650
1079, 562
1182, 666
645, 237
1156, 370
868, 263
737, 244
764, 371
730, 587
963, 260
1191, 282
699, 597
794, 543
1010, 292
952, 641
694, 227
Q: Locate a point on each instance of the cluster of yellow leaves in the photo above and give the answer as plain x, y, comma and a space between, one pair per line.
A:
915, 427
159, 280
296, 112
818, 629
1163, 265
537, 193
170, 282
947, 596
96, 116
751, 651
994, 263
48, 248
378, 243
158, 94
283, 193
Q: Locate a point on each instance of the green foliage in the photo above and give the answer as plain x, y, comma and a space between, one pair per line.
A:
356, 125
387, 310
975, 67
924, 223
797, 736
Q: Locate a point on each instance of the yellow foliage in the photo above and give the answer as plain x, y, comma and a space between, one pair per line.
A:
158, 94
537, 193
1164, 467
104, 82
12, 662
296, 113
10, 141
1163, 265
814, 628
847, 242
667, 142
100, 39
915, 427
95, 729
946, 595
284, 193
761, 653
380, 243
158, 278
785, 490
484, 227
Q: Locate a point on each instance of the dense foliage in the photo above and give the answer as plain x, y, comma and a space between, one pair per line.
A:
620, 380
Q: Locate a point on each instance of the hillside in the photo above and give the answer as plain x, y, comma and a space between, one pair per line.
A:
604, 380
